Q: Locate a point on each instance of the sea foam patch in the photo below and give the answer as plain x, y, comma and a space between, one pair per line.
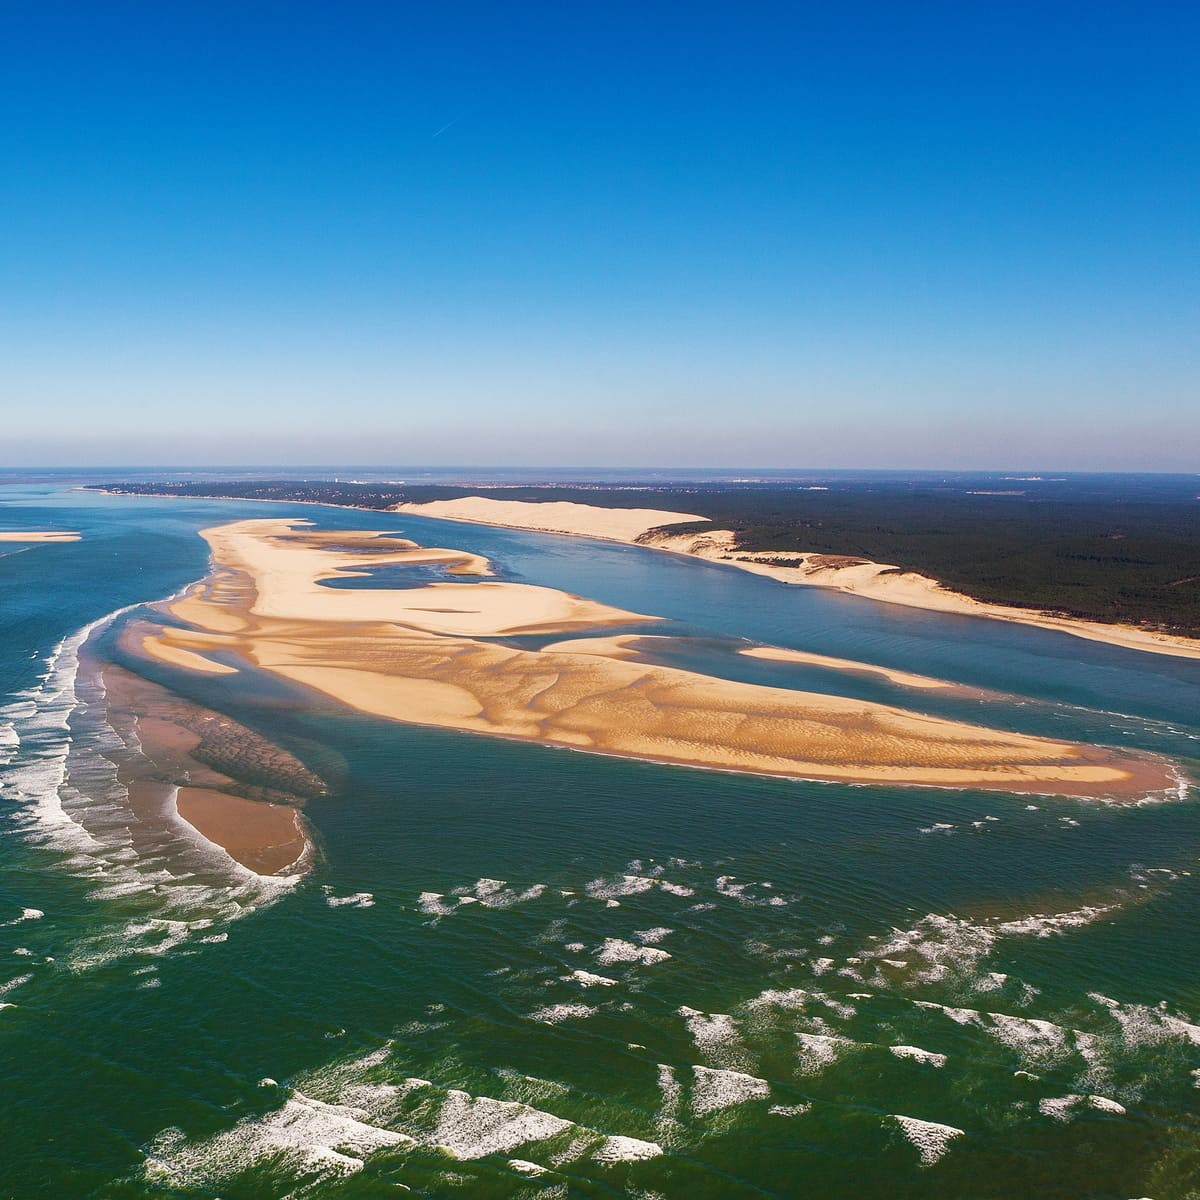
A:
168, 890
715, 1089
931, 1139
716, 1036
616, 950
322, 1141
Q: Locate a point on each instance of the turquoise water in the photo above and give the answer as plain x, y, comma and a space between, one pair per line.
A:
517, 971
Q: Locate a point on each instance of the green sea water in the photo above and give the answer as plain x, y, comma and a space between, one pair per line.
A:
522, 972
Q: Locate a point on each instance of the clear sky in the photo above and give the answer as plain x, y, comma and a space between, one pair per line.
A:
838, 234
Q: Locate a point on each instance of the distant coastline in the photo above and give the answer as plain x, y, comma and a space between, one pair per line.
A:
855, 577
684, 533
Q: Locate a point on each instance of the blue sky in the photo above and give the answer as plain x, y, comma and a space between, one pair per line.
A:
906, 235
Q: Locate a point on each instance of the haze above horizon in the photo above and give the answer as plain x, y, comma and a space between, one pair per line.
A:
877, 236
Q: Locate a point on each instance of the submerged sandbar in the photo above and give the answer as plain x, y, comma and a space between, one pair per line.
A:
429, 654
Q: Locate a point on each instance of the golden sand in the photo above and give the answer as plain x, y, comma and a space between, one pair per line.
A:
421, 655
808, 659
45, 535
551, 516
853, 576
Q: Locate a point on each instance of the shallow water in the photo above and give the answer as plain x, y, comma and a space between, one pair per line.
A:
634, 979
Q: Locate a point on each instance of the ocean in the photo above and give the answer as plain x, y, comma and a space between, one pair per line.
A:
516, 971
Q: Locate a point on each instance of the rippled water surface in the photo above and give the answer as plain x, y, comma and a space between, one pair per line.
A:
517, 971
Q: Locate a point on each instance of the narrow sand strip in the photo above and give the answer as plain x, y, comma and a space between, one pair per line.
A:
808, 659
42, 535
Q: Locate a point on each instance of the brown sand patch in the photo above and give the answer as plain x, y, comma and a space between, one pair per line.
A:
266, 838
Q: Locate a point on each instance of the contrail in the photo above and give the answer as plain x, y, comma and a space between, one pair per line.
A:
444, 128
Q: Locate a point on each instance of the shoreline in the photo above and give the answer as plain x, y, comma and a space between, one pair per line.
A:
881, 582
425, 655
928, 595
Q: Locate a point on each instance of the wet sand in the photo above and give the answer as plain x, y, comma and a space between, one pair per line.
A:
420, 655
231, 786
266, 838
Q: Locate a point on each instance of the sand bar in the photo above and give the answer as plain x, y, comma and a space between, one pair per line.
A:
808, 659
265, 838
210, 771
854, 576
39, 535
418, 655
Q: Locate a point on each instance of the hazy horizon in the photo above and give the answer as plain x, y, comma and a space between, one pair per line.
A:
881, 236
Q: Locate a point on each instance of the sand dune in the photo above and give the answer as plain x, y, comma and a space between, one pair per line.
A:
421, 655
552, 516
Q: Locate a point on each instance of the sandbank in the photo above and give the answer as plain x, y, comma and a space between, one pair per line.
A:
809, 659
39, 535
193, 764
854, 576
420, 655
265, 838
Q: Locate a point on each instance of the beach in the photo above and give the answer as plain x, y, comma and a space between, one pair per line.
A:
883, 582
429, 654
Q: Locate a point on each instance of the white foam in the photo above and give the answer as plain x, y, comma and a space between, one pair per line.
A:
329, 1139
489, 893
555, 1014
357, 900
587, 979
625, 885
434, 904
672, 1092
713, 1090
789, 998
614, 950
727, 886
13, 984
1060, 1108
819, 1050
930, 1057
716, 1037
1142, 1025
651, 937
676, 889
27, 914
931, 1139
474, 1126
789, 1110
617, 1148
523, 1167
